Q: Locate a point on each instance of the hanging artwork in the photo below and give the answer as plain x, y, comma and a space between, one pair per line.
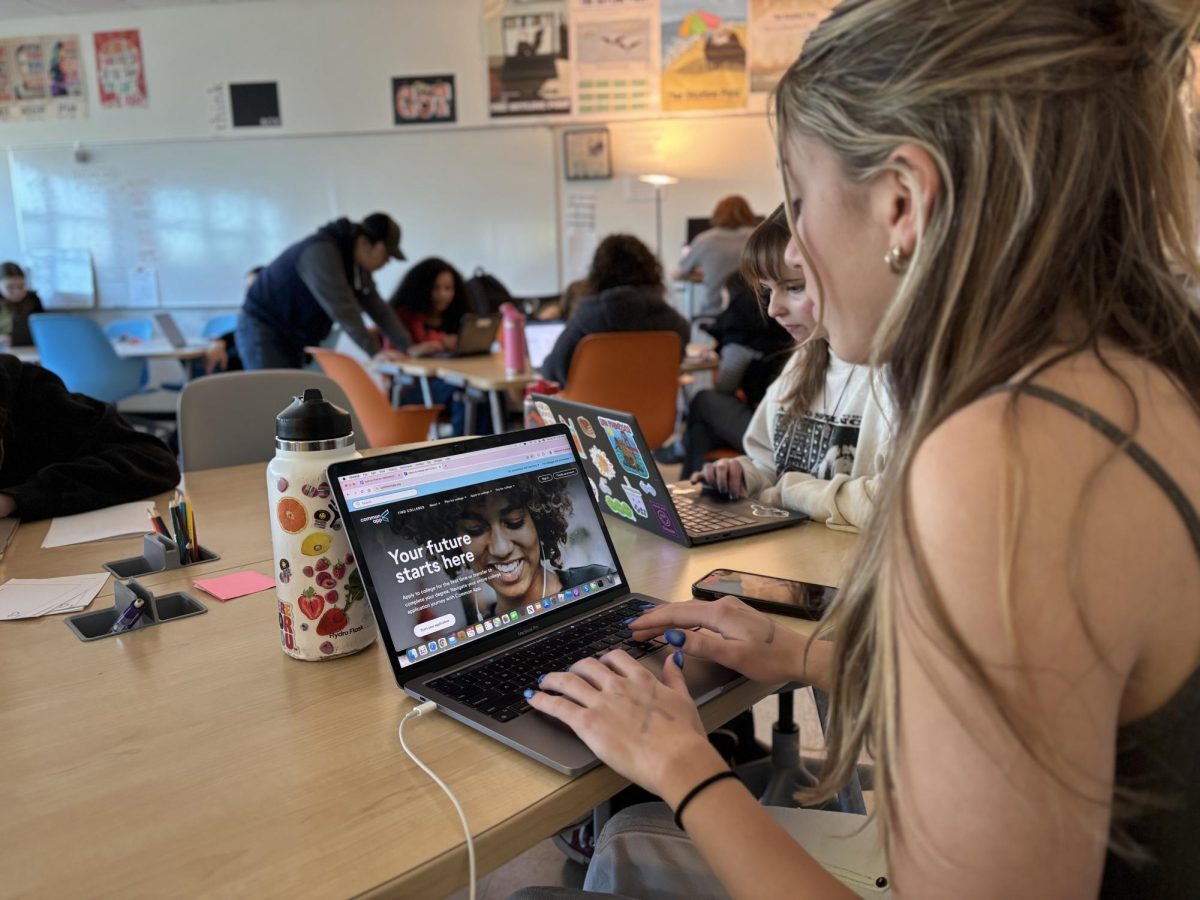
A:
778, 29
120, 71
704, 55
425, 100
615, 60
528, 65
41, 79
587, 154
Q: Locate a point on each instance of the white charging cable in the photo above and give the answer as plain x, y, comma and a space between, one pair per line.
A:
427, 707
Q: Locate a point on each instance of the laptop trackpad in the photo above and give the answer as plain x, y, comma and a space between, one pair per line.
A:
705, 679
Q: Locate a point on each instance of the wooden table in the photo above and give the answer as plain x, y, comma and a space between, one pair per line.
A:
487, 374
196, 758
158, 348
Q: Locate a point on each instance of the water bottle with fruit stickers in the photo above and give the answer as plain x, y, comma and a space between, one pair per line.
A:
323, 609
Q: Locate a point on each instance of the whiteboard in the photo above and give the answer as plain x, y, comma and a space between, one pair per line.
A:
200, 213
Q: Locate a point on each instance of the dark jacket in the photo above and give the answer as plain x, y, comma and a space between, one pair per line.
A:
742, 322
20, 314
65, 453
314, 283
617, 309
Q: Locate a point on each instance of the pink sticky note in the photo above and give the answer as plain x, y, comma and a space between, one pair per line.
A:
239, 584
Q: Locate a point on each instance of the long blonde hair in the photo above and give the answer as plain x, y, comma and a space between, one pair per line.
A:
1069, 189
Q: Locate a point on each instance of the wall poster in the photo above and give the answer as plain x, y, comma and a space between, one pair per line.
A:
423, 100
616, 55
704, 55
778, 30
528, 66
120, 72
41, 78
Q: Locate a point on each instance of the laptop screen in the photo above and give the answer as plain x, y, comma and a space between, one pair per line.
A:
457, 547
170, 330
540, 338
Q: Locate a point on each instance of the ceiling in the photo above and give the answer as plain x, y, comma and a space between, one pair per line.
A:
28, 9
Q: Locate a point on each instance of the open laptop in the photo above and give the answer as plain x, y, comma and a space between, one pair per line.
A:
540, 338
487, 564
627, 482
170, 329
475, 336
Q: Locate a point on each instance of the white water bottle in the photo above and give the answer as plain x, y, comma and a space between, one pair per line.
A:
323, 609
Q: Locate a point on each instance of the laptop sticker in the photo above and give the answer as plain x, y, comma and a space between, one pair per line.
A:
574, 434
647, 488
543, 410
629, 457
603, 465
604, 488
635, 499
663, 517
533, 418
768, 512
586, 427
595, 490
621, 508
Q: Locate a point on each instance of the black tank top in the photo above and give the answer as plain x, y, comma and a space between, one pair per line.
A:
1158, 754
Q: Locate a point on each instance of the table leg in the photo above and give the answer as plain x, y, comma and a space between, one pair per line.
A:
470, 404
426, 393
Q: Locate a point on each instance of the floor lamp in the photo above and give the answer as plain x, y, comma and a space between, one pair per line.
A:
659, 182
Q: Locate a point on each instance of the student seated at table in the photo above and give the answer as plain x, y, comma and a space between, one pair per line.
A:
63, 453
753, 350
714, 254
431, 300
818, 440
998, 200
626, 281
17, 304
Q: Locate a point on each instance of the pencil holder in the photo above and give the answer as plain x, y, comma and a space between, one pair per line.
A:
92, 626
159, 554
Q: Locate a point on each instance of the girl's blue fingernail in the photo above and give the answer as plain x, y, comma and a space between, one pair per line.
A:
646, 605
678, 657
540, 678
631, 619
528, 693
675, 637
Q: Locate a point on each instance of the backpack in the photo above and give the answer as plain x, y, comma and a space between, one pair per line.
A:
485, 293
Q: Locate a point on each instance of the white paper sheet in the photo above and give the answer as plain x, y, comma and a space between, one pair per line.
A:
99, 525
27, 598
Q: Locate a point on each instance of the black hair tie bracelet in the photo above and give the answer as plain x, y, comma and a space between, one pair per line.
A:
691, 795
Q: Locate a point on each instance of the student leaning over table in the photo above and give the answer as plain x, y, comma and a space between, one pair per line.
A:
817, 442
1018, 642
64, 453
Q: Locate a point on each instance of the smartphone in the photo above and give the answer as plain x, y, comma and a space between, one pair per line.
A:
777, 595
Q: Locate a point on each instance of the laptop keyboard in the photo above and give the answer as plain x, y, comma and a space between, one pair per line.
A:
496, 687
699, 519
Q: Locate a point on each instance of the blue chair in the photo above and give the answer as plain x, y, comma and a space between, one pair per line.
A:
219, 325
129, 329
77, 351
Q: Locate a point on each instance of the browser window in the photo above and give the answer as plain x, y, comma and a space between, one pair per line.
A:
461, 546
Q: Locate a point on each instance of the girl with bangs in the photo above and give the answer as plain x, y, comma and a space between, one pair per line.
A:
998, 201
818, 440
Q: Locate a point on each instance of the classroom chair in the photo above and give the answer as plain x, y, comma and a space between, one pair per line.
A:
219, 325
633, 371
129, 329
76, 350
385, 425
229, 419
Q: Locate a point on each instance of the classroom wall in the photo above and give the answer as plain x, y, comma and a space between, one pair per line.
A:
334, 60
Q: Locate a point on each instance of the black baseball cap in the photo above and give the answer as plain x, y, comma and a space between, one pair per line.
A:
382, 227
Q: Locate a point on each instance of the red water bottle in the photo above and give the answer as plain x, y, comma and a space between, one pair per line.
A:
515, 359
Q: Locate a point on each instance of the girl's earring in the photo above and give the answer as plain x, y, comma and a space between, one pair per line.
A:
896, 260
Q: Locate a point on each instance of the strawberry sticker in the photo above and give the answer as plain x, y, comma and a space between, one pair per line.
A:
332, 622
311, 603
339, 571
322, 564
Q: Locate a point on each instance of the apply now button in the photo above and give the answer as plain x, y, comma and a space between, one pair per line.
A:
434, 625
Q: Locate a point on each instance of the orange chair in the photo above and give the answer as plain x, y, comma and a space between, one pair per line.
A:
385, 425
632, 371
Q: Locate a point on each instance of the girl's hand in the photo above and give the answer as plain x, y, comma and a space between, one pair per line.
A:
725, 475
732, 634
425, 348
644, 729
450, 341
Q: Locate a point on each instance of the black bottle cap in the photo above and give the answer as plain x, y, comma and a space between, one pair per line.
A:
311, 417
